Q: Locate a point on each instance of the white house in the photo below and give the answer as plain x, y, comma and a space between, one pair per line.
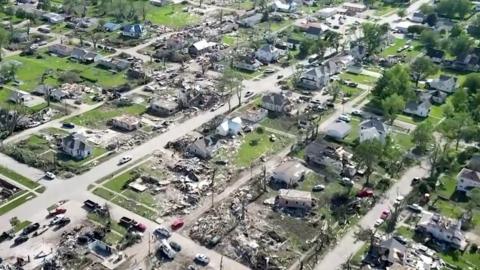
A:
338, 130
276, 102
294, 199
201, 46
20, 97
249, 63
444, 83
230, 127
202, 147
315, 78
373, 129
443, 229
268, 54
288, 174
284, 7
420, 108
468, 179
76, 146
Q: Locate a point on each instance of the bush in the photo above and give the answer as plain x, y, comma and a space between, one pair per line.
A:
260, 130
474, 248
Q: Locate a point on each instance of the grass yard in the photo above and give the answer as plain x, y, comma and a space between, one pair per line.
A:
350, 91
17, 202
117, 184
404, 140
101, 220
282, 123
392, 50
466, 260
97, 118
31, 70
354, 133
405, 232
256, 144
358, 78
135, 207
171, 15
4, 96
21, 225
18, 178
106, 194
229, 40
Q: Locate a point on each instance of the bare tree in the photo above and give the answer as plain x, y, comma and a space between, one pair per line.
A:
10, 117
95, 37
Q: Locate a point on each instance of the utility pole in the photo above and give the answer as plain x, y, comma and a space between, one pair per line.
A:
221, 263
212, 184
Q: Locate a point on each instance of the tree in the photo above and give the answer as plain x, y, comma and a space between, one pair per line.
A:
95, 37
228, 84
423, 136
334, 90
429, 39
368, 153
461, 45
392, 106
421, 68
395, 80
402, 13
450, 8
10, 117
373, 36
431, 19
474, 196
427, 9
4, 40
459, 100
457, 127
333, 39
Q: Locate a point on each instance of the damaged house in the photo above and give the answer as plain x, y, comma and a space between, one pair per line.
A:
163, 107
202, 147
76, 146
288, 174
296, 200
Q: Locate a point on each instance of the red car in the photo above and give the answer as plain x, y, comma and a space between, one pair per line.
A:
140, 227
56, 211
385, 214
366, 192
177, 223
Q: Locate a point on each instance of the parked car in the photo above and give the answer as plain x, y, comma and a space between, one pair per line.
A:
50, 175
398, 200
385, 214
124, 160
365, 192
161, 232
30, 228
248, 94
56, 220
91, 205
318, 188
346, 181
352, 84
56, 211
345, 118
131, 224
20, 239
68, 125
62, 222
167, 250
357, 113
378, 222
175, 246
202, 258
415, 208
177, 224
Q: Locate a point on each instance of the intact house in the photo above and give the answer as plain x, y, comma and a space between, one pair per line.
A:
338, 130
114, 64
268, 54
373, 129
76, 146
294, 199
444, 83
468, 179
442, 229
230, 127
126, 122
19, 97
249, 63
251, 20
288, 174
134, 30
60, 50
316, 78
201, 47
420, 108
276, 102
202, 147
84, 56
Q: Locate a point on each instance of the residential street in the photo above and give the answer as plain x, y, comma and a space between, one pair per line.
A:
348, 245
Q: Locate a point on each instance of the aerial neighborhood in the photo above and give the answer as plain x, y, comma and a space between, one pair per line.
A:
247, 134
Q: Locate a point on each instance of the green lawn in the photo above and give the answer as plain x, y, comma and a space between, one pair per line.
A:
405, 232
18, 178
171, 15
4, 96
135, 207
403, 140
229, 40
115, 227
106, 194
354, 133
358, 78
248, 151
98, 117
282, 123
392, 50
117, 183
465, 261
31, 70
19, 201
350, 91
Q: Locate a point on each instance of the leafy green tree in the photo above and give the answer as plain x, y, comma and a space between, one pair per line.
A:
474, 196
427, 9
423, 136
472, 82
421, 68
4, 40
459, 100
474, 27
460, 45
373, 36
431, 19
456, 127
450, 8
392, 106
368, 154
395, 80
429, 39
402, 13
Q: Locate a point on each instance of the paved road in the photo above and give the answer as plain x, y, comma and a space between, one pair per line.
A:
348, 245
